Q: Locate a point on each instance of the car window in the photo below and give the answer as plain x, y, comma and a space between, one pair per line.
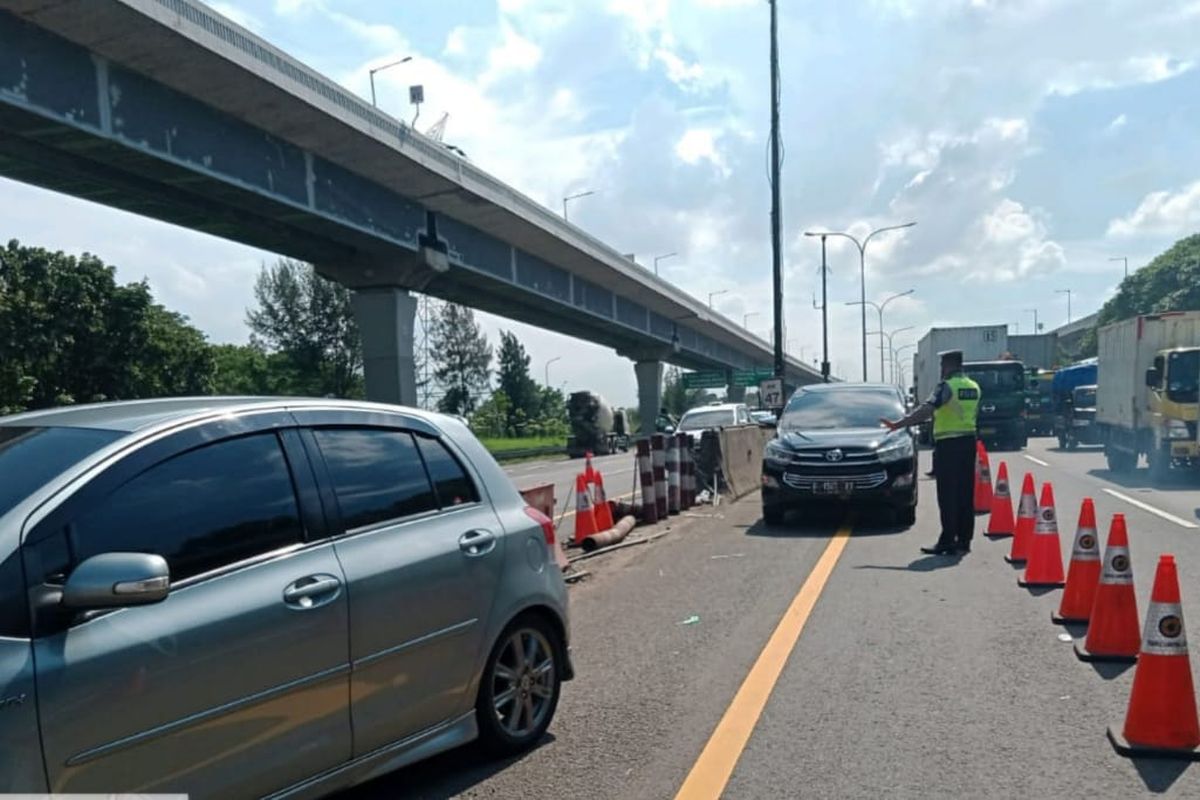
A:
377, 474
202, 510
450, 481
840, 408
31, 456
703, 420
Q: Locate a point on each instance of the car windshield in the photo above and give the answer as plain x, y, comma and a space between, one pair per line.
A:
850, 408
1183, 377
994, 378
703, 420
31, 456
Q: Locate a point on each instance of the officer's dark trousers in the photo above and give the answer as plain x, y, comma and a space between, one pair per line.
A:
955, 459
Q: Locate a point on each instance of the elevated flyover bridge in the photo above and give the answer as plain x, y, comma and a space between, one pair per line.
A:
167, 109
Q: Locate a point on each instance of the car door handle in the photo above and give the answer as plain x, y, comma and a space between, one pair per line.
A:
477, 543
312, 591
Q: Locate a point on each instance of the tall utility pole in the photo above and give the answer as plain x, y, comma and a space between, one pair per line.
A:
1067, 292
1125, 261
776, 201
1036, 327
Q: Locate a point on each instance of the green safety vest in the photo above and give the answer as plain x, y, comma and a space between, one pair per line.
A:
956, 417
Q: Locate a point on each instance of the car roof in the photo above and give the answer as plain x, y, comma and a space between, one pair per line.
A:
849, 387
715, 407
134, 415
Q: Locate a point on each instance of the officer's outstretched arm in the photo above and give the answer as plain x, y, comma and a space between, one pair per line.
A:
922, 413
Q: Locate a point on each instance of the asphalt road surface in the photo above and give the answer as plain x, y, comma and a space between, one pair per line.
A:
803, 662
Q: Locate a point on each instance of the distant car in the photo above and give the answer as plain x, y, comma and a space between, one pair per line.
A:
831, 449
763, 418
711, 417
238, 598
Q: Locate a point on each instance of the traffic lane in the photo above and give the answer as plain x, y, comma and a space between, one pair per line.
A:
928, 676
649, 687
1178, 495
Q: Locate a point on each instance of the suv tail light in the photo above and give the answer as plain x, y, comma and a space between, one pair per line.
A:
546, 523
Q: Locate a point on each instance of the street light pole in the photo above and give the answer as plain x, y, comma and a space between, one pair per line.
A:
1123, 259
1036, 328
371, 74
862, 273
891, 350
662, 258
879, 307
899, 366
573, 197
711, 295
824, 315
548, 363
1067, 292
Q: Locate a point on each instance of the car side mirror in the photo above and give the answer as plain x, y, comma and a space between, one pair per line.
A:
1153, 378
113, 580
669, 429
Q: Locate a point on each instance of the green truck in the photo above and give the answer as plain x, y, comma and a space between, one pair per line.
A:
1039, 402
1002, 412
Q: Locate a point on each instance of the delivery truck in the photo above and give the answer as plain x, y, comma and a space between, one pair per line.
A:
1147, 395
977, 342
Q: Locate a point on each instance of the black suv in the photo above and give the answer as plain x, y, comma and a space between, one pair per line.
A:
831, 448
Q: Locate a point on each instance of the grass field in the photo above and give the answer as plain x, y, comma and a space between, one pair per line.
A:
502, 446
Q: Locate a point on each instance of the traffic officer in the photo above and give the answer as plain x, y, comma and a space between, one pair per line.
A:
953, 405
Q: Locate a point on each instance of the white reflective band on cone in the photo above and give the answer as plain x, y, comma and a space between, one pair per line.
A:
1117, 567
1046, 521
1028, 506
1002, 489
985, 474
1164, 634
1087, 546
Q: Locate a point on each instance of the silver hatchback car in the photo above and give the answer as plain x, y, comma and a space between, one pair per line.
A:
242, 598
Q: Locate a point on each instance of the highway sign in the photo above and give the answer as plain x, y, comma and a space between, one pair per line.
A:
704, 380
770, 393
751, 377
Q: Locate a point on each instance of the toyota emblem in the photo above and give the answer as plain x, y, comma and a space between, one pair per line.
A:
834, 455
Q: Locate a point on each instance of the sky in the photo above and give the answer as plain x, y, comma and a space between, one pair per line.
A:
1030, 140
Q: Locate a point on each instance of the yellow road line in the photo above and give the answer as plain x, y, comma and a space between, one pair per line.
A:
713, 768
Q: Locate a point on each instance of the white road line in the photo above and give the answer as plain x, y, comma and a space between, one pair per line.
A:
1035, 460
1183, 523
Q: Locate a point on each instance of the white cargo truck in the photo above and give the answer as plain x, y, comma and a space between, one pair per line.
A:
977, 342
1147, 394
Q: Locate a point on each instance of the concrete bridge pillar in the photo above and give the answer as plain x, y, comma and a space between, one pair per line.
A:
733, 392
649, 380
386, 316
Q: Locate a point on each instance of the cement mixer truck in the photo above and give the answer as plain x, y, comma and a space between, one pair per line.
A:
596, 427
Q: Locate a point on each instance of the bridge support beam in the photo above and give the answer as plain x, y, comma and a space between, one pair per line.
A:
386, 316
649, 380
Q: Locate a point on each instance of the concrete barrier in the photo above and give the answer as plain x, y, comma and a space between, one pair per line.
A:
741, 458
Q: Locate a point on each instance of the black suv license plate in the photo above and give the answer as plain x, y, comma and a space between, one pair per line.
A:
833, 487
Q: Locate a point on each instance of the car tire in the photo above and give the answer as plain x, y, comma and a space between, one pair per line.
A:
773, 514
513, 684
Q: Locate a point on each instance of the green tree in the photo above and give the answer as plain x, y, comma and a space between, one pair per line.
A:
1171, 282
491, 418
242, 369
525, 397
461, 358
309, 319
70, 333
674, 396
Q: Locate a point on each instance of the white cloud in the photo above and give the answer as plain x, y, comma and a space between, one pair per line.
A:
1095, 74
1117, 123
514, 54
1162, 213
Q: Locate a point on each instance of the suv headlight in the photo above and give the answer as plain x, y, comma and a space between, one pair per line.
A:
776, 454
1175, 429
898, 449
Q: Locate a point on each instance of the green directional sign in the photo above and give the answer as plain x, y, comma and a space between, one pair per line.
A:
704, 380
752, 377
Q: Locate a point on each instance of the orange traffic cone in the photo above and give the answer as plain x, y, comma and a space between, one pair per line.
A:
1026, 515
1084, 573
983, 480
604, 517
1113, 627
1044, 566
589, 473
1000, 523
585, 517
1161, 721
